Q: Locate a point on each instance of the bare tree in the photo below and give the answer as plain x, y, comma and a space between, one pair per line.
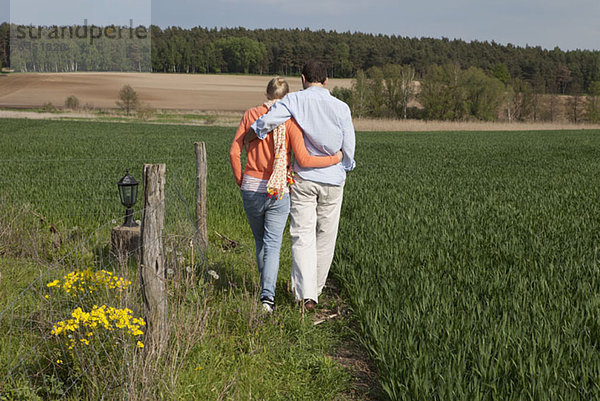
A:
128, 99
539, 88
552, 102
360, 89
523, 99
592, 107
72, 102
392, 74
407, 87
575, 106
552, 105
563, 78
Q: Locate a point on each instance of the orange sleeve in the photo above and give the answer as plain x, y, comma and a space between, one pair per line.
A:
301, 154
237, 145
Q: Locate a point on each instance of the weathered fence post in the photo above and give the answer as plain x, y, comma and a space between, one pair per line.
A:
152, 267
201, 213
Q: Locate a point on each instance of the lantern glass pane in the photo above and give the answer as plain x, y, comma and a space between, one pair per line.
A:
126, 192
134, 194
121, 194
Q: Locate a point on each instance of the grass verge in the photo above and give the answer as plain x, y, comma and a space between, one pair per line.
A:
222, 345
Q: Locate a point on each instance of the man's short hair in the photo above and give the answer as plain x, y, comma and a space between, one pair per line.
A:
277, 88
314, 71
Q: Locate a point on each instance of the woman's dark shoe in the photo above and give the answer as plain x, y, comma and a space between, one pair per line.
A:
267, 305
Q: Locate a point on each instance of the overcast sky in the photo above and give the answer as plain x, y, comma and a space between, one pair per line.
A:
568, 24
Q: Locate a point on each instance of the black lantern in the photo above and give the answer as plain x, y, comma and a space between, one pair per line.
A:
128, 187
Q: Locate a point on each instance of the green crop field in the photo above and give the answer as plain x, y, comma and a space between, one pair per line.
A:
470, 260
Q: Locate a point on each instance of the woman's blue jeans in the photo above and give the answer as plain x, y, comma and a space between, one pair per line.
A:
267, 218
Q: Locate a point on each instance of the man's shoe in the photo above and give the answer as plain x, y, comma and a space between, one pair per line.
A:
267, 305
309, 304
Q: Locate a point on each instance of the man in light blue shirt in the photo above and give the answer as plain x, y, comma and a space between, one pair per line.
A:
316, 197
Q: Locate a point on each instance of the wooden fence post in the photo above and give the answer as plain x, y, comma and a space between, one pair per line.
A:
152, 267
201, 212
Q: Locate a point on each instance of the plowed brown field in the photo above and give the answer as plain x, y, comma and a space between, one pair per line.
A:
161, 91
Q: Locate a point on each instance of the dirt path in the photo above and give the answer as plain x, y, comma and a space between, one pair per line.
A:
350, 353
232, 118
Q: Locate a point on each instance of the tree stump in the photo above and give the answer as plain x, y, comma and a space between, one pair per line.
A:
125, 242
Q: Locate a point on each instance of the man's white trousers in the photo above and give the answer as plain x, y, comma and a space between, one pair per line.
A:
314, 220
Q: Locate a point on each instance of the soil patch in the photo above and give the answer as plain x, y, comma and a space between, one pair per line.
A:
161, 91
350, 354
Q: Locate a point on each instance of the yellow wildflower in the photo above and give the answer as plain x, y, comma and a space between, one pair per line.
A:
88, 281
109, 318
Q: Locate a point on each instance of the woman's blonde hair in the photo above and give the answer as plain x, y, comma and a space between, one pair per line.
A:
277, 88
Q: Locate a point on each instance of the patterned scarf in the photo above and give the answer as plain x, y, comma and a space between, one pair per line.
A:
280, 177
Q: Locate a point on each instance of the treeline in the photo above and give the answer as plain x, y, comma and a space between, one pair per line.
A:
450, 92
284, 51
